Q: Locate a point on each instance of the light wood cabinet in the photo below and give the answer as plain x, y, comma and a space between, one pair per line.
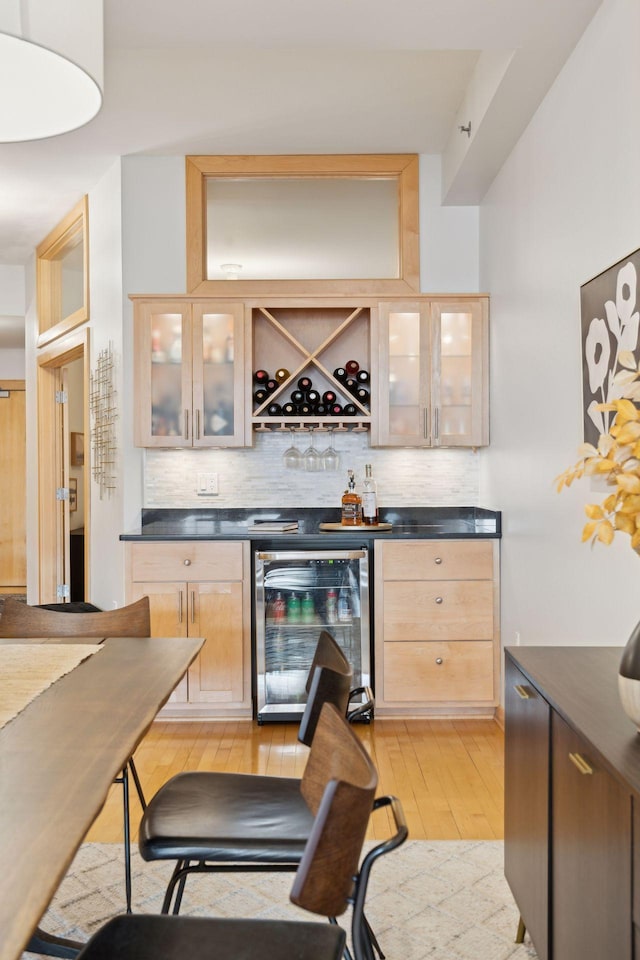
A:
433, 373
202, 589
189, 373
437, 627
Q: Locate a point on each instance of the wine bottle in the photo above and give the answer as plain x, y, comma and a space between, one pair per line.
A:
363, 395
321, 410
352, 367
329, 397
369, 498
305, 409
350, 410
340, 374
260, 395
282, 374
351, 384
271, 385
274, 410
362, 376
297, 396
304, 384
351, 504
260, 376
289, 409
335, 409
313, 397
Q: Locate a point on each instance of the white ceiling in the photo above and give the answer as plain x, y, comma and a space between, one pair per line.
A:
291, 76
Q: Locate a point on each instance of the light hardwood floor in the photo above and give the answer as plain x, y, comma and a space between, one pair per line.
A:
448, 774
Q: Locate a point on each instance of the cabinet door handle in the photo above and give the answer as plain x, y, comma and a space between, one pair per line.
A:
425, 425
580, 763
522, 692
197, 424
438, 560
187, 562
180, 606
186, 424
438, 660
437, 423
193, 606
438, 599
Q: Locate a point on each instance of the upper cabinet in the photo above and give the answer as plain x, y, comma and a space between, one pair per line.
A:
189, 374
433, 362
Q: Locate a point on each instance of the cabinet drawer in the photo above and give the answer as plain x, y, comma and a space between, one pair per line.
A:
437, 560
412, 671
186, 560
438, 610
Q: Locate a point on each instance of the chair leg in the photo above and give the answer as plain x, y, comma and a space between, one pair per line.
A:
522, 929
136, 780
176, 877
124, 780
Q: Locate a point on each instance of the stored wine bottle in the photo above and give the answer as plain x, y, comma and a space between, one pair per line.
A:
289, 409
271, 385
274, 410
282, 374
363, 395
362, 376
340, 374
260, 395
260, 376
297, 396
304, 384
329, 397
313, 397
305, 409
335, 409
369, 498
352, 367
321, 410
351, 384
350, 410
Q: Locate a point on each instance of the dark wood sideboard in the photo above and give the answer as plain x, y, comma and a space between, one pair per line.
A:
572, 803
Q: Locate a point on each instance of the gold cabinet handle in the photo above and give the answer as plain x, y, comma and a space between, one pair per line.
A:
580, 763
522, 692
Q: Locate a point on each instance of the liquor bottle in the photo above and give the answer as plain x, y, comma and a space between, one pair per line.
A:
351, 504
331, 607
260, 376
329, 397
282, 374
260, 395
352, 367
369, 498
274, 410
340, 374
362, 376
304, 384
350, 410
351, 384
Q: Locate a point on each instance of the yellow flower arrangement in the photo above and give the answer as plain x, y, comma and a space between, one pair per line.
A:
617, 458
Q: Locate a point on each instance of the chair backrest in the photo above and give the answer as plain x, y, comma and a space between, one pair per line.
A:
339, 784
329, 681
20, 620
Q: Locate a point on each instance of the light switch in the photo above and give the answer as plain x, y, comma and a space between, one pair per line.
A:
207, 485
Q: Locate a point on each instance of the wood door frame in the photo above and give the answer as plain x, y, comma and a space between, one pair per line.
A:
50, 361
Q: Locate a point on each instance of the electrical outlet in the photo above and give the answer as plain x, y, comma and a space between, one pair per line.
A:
517, 638
207, 485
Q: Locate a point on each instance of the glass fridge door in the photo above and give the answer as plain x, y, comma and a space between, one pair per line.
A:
299, 594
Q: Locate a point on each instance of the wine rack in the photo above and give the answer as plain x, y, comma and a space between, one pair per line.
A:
306, 352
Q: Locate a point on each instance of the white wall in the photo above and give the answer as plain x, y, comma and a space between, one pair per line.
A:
12, 364
565, 206
12, 306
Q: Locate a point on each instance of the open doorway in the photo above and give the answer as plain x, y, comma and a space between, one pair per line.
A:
13, 530
63, 470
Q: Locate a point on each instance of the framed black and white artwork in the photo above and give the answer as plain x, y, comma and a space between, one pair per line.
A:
609, 321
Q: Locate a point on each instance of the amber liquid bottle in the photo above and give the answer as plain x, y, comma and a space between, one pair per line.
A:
351, 504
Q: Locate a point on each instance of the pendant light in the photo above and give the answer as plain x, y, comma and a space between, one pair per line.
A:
51, 66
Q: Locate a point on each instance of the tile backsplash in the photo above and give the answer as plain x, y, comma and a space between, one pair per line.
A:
256, 476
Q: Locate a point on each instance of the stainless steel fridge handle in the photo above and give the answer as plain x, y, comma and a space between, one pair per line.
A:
310, 555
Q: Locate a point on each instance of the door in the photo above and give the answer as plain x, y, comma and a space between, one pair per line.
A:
218, 381
405, 375
168, 606
215, 611
13, 561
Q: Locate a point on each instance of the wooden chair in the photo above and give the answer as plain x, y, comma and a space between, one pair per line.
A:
328, 879
20, 620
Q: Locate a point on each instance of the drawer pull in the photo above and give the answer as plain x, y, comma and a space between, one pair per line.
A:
438, 599
438, 560
187, 562
438, 660
580, 763
522, 692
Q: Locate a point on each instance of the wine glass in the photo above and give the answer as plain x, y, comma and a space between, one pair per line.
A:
311, 459
330, 457
292, 457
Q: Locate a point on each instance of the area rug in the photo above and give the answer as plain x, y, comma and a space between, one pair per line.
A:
446, 900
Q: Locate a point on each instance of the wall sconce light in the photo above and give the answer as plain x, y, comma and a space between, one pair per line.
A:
51, 67
231, 270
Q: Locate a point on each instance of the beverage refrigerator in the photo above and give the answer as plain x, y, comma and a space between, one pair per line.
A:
299, 593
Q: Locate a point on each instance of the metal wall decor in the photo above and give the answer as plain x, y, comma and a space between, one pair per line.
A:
103, 416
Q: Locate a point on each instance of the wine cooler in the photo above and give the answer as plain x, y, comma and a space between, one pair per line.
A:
297, 595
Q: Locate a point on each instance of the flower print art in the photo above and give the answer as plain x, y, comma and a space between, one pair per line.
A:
610, 320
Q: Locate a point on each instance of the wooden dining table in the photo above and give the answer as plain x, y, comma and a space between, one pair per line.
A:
58, 758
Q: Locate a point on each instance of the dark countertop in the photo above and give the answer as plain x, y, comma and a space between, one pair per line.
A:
421, 523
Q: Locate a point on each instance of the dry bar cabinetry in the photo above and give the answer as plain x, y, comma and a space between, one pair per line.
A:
201, 589
572, 794
437, 640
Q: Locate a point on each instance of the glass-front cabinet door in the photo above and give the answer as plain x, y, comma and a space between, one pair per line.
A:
189, 361
218, 352
433, 371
